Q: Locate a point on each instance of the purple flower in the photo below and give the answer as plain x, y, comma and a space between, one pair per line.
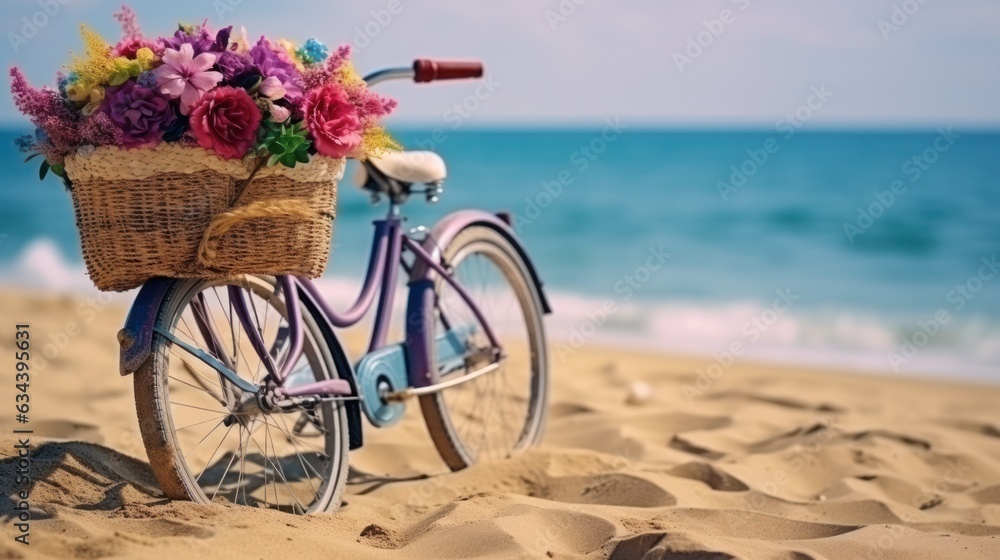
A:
49, 112
234, 65
201, 40
274, 63
140, 113
177, 131
147, 80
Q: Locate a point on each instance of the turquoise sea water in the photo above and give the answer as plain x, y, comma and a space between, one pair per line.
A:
820, 247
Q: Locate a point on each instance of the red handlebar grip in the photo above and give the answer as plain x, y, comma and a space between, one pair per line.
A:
425, 70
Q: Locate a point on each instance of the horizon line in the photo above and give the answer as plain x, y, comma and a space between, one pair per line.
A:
663, 126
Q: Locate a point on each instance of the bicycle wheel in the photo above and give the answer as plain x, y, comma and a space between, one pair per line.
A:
206, 439
501, 412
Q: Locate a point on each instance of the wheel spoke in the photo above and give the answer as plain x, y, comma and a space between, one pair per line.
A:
198, 387
219, 423
281, 473
199, 423
226, 472
302, 461
195, 407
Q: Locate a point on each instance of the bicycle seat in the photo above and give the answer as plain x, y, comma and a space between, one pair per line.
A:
407, 168
394, 174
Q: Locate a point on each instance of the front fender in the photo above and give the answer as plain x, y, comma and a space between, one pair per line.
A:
445, 230
421, 295
136, 337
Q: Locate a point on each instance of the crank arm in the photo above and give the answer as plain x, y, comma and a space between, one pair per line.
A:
210, 361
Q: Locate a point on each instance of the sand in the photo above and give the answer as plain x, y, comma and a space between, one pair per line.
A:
761, 462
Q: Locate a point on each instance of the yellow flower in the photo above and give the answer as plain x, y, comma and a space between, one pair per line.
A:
347, 76
83, 93
95, 67
78, 92
375, 141
96, 94
289, 47
146, 58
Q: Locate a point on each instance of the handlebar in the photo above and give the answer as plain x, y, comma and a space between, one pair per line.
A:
426, 70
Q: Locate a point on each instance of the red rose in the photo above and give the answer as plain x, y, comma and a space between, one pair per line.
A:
333, 121
226, 120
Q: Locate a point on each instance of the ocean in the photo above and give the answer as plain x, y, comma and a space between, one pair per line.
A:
874, 251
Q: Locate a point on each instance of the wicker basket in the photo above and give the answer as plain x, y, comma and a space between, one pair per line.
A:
184, 212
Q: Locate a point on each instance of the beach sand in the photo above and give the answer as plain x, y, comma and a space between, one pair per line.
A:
759, 462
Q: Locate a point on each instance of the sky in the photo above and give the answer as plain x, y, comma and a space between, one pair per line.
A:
710, 63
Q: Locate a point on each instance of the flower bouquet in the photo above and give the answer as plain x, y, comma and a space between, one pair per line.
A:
202, 154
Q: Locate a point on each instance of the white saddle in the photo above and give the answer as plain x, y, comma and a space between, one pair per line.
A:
406, 167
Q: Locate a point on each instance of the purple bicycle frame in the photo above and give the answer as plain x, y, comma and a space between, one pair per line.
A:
384, 260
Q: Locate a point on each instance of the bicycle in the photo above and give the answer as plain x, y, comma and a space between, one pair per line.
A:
254, 362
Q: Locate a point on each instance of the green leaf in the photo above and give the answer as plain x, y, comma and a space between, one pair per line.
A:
43, 170
31, 157
59, 170
119, 77
287, 143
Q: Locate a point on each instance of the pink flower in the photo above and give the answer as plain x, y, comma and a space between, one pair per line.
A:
279, 114
129, 47
226, 120
327, 72
371, 106
99, 130
272, 89
130, 22
333, 121
186, 76
49, 112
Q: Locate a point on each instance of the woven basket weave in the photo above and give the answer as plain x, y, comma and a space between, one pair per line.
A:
173, 211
